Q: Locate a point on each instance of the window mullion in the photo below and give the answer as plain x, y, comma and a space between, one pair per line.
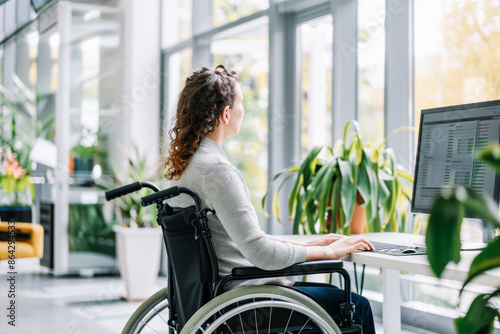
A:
345, 61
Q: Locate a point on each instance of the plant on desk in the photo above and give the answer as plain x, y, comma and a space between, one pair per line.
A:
443, 244
356, 176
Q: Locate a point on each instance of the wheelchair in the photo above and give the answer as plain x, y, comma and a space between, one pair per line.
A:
194, 300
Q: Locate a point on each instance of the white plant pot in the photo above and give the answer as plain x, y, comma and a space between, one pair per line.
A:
138, 252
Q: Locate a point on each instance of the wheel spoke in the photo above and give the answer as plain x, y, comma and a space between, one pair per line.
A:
255, 318
304, 325
149, 327
289, 318
270, 318
159, 314
241, 320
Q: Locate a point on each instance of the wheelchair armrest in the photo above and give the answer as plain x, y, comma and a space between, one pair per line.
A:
304, 268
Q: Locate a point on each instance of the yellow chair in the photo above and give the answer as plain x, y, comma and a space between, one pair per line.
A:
28, 240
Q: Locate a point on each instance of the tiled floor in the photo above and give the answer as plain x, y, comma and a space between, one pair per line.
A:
71, 305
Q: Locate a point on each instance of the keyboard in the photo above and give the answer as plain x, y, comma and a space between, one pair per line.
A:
395, 249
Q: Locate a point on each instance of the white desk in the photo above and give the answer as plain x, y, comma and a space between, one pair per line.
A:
418, 264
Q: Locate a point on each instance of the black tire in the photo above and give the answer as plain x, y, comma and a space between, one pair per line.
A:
151, 316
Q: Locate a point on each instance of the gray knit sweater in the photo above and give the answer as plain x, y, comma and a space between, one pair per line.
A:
236, 235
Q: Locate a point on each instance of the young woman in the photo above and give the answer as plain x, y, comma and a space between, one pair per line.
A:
209, 110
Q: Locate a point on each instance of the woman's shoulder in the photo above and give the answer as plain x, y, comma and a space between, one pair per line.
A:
208, 161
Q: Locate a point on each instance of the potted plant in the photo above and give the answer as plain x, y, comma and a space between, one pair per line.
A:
353, 174
24, 106
443, 244
138, 238
16, 190
19, 140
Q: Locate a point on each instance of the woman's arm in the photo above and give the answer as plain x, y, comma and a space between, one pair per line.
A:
324, 240
338, 249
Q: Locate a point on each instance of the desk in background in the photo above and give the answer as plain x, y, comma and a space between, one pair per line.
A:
392, 265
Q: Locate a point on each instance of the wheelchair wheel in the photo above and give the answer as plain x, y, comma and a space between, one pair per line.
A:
151, 316
261, 309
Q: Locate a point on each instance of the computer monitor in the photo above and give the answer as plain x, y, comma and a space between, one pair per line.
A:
449, 141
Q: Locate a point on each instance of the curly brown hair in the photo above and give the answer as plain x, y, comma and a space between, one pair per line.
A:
206, 93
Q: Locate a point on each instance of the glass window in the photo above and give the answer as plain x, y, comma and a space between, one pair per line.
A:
248, 54
371, 60
176, 21
32, 39
314, 42
1, 64
2, 11
179, 67
27, 54
456, 52
225, 11
95, 80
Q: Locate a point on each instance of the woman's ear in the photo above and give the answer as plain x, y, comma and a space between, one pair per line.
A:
225, 115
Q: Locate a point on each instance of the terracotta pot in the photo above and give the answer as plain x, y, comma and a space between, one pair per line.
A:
358, 222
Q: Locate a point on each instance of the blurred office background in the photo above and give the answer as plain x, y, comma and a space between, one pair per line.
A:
100, 80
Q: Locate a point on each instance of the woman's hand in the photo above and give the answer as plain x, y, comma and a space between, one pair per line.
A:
339, 248
325, 240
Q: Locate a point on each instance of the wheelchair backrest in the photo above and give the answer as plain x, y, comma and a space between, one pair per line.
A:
190, 260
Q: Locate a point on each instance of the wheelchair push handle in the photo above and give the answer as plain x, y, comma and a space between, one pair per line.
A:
160, 196
129, 188
165, 194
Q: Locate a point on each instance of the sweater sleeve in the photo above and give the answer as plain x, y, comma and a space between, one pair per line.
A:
225, 191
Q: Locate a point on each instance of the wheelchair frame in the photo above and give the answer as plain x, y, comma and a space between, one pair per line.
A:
201, 317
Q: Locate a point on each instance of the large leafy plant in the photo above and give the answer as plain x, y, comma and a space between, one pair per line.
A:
443, 243
326, 189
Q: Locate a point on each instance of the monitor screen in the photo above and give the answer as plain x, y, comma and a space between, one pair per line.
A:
449, 141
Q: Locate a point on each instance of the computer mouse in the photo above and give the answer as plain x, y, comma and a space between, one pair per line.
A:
408, 251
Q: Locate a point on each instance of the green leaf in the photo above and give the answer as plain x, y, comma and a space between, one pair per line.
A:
364, 184
480, 205
324, 198
371, 170
405, 175
8, 184
294, 194
348, 190
491, 155
384, 192
479, 319
389, 203
337, 146
303, 178
310, 164
334, 202
406, 191
390, 161
489, 258
322, 178
297, 219
443, 233
312, 216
